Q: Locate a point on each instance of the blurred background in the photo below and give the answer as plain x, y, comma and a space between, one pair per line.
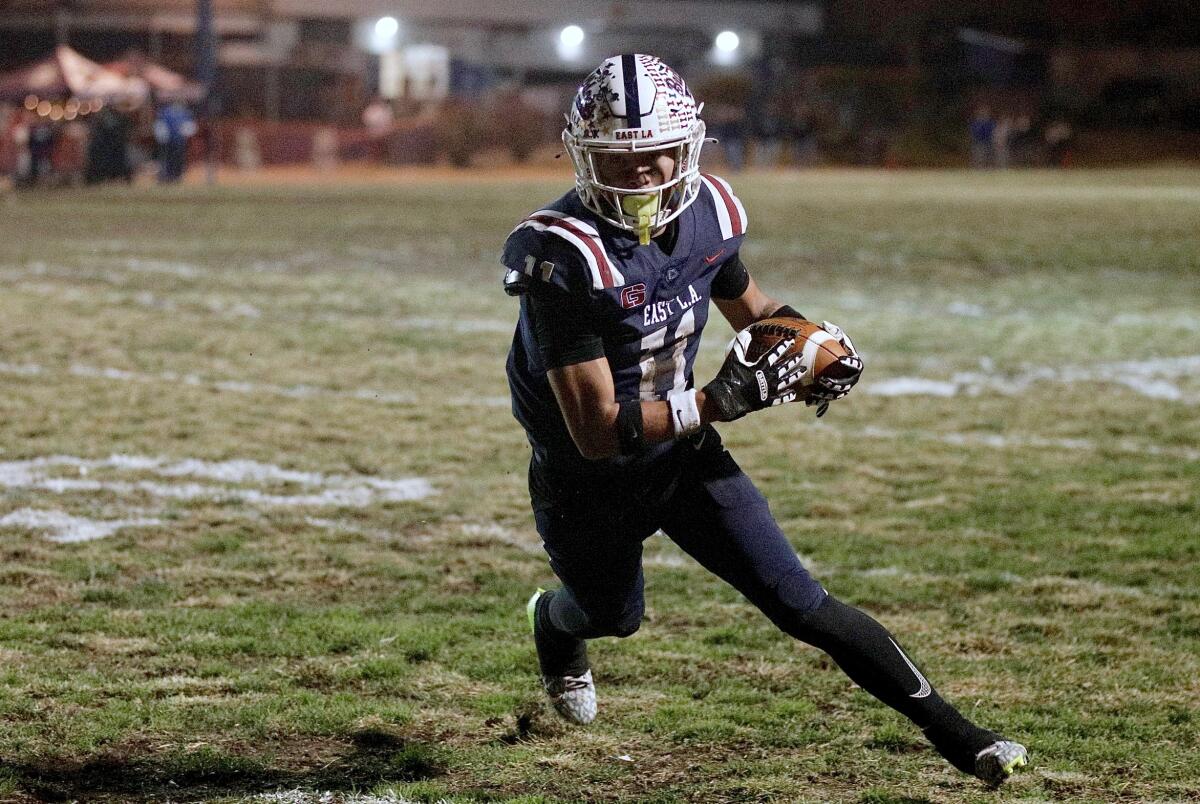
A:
93, 90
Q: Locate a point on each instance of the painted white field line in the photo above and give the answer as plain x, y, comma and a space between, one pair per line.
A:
251, 388
456, 325
64, 528
183, 270
223, 306
1146, 377
20, 369
1023, 441
326, 490
143, 298
176, 268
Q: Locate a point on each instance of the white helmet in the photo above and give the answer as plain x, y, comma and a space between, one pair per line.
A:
634, 103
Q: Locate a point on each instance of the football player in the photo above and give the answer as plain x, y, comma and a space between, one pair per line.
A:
615, 281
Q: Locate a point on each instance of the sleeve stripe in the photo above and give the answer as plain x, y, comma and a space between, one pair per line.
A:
583, 237
730, 212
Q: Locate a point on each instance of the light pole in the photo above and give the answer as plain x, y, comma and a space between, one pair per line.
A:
206, 74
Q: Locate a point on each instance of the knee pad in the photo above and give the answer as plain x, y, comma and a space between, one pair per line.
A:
831, 623
629, 622
799, 592
618, 624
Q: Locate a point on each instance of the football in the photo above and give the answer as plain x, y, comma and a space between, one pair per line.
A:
822, 353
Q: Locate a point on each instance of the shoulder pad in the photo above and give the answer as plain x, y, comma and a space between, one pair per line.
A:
563, 234
731, 215
531, 257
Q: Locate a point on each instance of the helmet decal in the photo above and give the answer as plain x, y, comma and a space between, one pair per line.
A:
593, 102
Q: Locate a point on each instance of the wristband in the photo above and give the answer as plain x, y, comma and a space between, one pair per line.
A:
787, 311
685, 415
629, 426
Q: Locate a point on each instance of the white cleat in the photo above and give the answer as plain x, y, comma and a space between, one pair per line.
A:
573, 697
997, 762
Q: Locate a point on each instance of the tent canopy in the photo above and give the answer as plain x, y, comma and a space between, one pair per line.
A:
66, 73
164, 83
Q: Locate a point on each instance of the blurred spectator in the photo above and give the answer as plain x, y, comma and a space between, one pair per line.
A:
1059, 137
247, 154
873, 147
981, 130
1001, 141
802, 132
142, 146
728, 124
1023, 142
42, 137
378, 118
726, 97
325, 148
22, 162
72, 152
108, 149
173, 129
7, 150
768, 131
769, 110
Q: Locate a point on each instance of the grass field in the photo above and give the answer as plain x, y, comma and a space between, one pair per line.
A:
264, 521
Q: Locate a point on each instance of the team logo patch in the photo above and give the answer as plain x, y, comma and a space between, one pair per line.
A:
633, 295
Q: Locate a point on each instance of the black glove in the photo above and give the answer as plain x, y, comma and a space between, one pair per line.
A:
836, 381
742, 386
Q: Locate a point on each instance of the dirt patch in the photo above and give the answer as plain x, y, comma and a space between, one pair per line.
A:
132, 773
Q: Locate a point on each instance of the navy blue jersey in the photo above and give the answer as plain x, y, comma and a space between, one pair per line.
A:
647, 307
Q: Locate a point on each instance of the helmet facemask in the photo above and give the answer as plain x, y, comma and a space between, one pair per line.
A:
643, 210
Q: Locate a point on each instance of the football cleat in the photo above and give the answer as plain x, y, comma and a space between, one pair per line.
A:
572, 696
997, 762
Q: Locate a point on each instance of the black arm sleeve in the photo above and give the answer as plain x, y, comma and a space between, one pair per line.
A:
563, 336
732, 279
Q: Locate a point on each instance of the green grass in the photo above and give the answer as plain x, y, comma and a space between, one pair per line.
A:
1036, 551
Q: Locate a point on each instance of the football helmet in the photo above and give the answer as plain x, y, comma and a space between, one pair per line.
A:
635, 103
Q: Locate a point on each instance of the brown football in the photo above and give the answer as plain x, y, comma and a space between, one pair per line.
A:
818, 348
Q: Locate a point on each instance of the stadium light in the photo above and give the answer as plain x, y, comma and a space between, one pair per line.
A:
383, 35
727, 41
726, 48
570, 42
571, 36
387, 27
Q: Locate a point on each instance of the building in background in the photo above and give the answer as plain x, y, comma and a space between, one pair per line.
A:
312, 60
859, 81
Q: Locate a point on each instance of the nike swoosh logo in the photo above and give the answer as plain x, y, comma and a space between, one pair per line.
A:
925, 689
713, 258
